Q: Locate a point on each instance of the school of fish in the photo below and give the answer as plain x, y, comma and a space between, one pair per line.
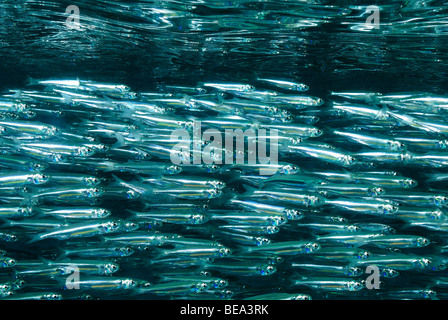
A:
93, 207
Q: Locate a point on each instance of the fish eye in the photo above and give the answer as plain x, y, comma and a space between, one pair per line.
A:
428, 293
11, 262
19, 283
426, 262
422, 242
272, 229
261, 241
94, 180
12, 238
212, 168
173, 169
37, 166
132, 225
57, 157
443, 144
278, 260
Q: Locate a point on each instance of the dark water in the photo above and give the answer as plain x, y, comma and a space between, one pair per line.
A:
324, 44
141, 43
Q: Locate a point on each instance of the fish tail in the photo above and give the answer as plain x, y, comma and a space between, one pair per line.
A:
31, 81
250, 191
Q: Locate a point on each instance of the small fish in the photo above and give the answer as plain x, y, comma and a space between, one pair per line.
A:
410, 294
392, 157
399, 241
329, 269
385, 181
198, 251
399, 262
84, 229
376, 141
19, 162
8, 212
420, 214
86, 267
285, 248
146, 167
175, 218
20, 179
304, 199
73, 178
347, 189
67, 194
76, 212
251, 229
8, 237
295, 130
280, 296
99, 251
364, 205
230, 86
34, 296
298, 101
330, 284
212, 282
333, 155
179, 287
137, 239
244, 239
6, 262
289, 213
358, 95
189, 181
244, 217
283, 84
329, 227
29, 127
103, 283
364, 111
243, 269
418, 198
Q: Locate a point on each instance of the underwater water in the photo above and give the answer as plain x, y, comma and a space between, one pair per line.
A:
92, 205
